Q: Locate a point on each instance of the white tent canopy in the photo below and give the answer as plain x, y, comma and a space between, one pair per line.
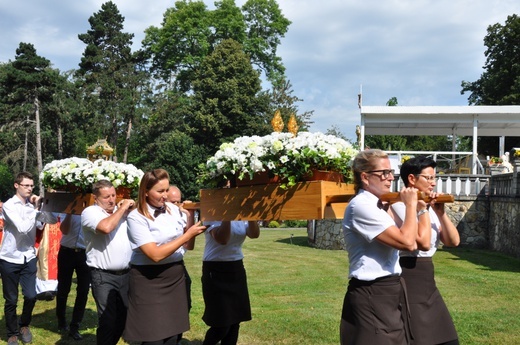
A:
475, 121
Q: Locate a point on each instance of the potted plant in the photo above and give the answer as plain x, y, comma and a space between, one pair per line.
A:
495, 160
405, 158
515, 153
290, 158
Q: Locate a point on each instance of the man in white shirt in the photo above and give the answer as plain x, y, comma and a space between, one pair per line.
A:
18, 257
72, 257
108, 256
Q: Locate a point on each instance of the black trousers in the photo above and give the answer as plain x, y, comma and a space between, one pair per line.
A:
70, 260
12, 275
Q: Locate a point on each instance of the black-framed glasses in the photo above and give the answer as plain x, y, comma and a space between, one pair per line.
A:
26, 185
385, 173
429, 178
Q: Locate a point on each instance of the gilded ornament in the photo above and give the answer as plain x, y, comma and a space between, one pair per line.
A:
292, 125
277, 122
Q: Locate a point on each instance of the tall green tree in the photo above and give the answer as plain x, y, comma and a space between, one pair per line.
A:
282, 98
12, 123
228, 22
180, 44
62, 137
28, 82
334, 130
227, 102
190, 32
177, 153
6, 182
266, 26
110, 75
499, 84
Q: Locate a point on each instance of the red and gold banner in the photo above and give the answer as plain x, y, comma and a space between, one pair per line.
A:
48, 244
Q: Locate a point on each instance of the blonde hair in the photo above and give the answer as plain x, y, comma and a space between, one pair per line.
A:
365, 161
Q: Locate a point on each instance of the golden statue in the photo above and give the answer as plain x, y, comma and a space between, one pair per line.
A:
277, 121
358, 134
292, 125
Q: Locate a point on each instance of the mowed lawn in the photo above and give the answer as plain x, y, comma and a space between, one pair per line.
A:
297, 294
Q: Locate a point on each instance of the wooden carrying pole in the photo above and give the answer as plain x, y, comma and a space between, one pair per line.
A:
394, 197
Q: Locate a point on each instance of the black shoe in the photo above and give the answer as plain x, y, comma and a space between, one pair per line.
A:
63, 329
75, 335
12, 340
25, 334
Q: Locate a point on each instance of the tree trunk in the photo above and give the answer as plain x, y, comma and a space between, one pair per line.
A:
26, 144
38, 141
127, 140
114, 137
60, 143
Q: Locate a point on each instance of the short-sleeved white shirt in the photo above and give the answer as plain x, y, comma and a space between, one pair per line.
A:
105, 251
363, 222
165, 228
74, 238
232, 251
400, 209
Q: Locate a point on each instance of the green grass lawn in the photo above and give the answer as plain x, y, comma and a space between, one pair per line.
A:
297, 293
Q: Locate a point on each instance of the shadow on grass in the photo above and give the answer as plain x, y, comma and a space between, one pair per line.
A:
488, 259
190, 342
47, 320
301, 241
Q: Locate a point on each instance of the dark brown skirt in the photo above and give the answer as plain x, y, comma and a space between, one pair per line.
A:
374, 312
431, 322
157, 302
226, 298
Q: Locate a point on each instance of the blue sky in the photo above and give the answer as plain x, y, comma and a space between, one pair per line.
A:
416, 50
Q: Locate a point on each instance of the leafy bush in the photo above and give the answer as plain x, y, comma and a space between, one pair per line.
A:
295, 223
273, 224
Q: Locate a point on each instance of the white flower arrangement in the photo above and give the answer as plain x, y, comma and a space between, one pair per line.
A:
81, 173
282, 154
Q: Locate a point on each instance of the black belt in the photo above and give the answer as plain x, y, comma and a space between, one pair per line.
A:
77, 250
117, 273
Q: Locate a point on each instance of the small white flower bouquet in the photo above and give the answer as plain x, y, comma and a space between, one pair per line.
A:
78, 174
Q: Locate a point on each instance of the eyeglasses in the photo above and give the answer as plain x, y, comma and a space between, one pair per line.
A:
176, 202
385, 172
26, 185
429, 178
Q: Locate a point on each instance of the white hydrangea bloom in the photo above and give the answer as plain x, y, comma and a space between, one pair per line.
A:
82, 173
279, 153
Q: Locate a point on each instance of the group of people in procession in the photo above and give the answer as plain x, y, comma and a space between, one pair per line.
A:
130, 254
133, 254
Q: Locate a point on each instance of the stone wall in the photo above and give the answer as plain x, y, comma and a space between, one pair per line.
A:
471, 217
504, 229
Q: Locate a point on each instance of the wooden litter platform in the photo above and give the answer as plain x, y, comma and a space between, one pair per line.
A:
305, 200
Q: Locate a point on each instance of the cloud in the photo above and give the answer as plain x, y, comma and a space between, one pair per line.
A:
418, 51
